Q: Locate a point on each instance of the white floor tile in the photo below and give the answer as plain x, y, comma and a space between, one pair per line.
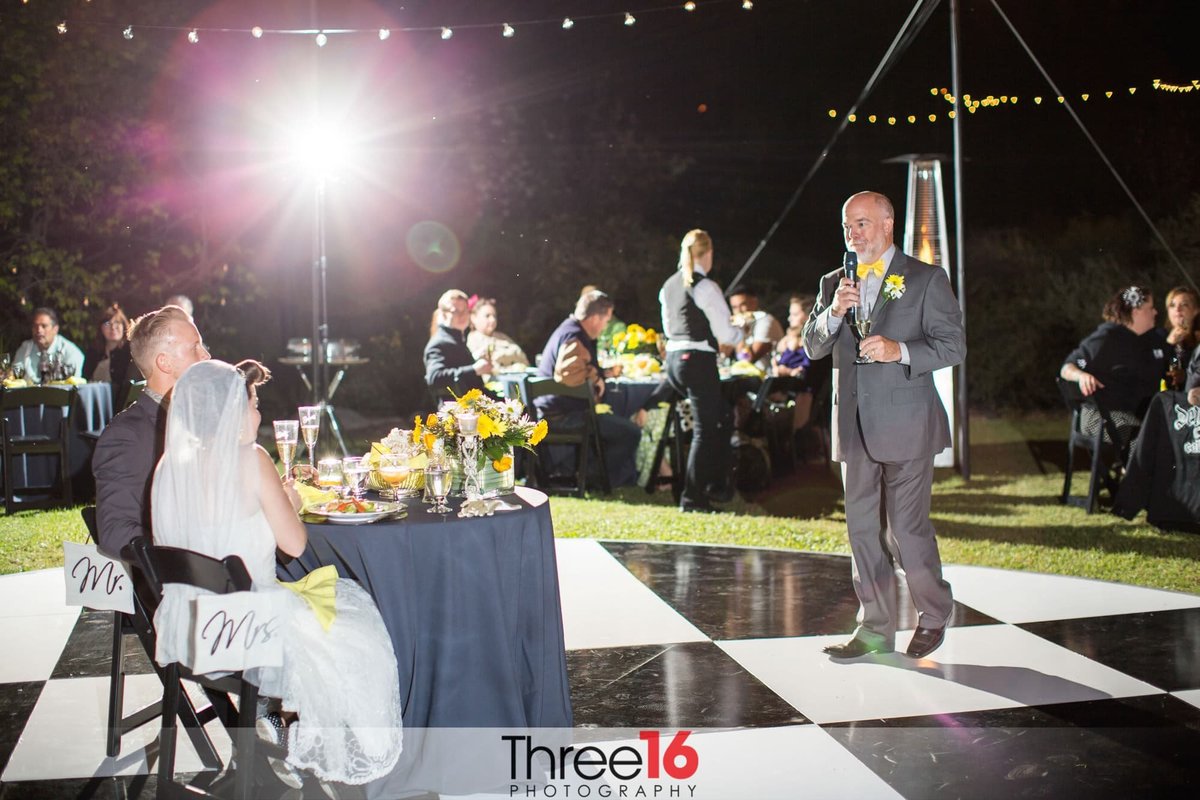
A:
65, 735
604, 605
980, 667
765, 764
32, 645
34, 594
1189, 696
1033, 597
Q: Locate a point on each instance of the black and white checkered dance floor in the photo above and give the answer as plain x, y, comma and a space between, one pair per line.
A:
1046, 686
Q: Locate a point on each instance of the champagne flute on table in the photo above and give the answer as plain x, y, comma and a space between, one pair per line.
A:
287, 437
310, 428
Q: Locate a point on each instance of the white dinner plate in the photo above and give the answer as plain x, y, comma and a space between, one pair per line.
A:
358, 518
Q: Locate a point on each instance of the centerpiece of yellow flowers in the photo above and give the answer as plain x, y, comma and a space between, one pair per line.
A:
637, 351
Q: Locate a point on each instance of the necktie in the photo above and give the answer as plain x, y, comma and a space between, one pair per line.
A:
874, 266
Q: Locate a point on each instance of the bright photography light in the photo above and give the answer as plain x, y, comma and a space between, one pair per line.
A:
321, 149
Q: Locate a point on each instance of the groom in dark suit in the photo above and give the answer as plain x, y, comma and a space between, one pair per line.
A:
888, 422
163, 344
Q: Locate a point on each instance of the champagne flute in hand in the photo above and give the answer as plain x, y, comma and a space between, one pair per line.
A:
310, 428
287, 437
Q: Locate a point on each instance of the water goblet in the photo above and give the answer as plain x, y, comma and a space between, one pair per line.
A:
438, 479
287, 436
5, 363
354, 474
310, 429
18, 370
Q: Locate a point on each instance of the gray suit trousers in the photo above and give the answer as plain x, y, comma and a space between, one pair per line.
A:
906, 492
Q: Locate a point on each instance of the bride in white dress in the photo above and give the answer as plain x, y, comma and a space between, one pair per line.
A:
217, 492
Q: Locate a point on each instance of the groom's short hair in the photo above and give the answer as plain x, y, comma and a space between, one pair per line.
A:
151, 333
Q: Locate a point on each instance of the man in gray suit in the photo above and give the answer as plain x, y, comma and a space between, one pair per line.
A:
888, 422
163, 343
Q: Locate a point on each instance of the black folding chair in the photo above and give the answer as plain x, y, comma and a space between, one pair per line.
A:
583, 439
163, 565
672, 445
1108, 445
23, 433
139, 624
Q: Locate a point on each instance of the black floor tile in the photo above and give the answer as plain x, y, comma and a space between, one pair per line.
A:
1138, 747
88, 652
1161, 648
693, 685
16, 704
739, 593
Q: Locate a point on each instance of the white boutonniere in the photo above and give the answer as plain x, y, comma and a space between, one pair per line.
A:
892, 289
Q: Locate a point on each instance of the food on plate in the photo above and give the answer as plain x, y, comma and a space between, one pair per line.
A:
348, 507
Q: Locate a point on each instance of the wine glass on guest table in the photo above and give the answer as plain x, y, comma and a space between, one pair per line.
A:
395, 469
856, 315
287, 437
310, 428
329, 474
438, 479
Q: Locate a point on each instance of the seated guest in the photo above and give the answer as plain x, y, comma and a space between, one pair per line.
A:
790, 358
761, 330
449, 365
47, 347
604, 342
1192, 387
108, 359
488, 343
570, 357
163, 344
1183, 312
1121, 362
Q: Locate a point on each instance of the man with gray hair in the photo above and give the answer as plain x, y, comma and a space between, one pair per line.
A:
570, 357
163, 343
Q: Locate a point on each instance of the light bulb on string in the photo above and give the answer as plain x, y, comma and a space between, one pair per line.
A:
384, 33
747, 5
322, 39
256, 32
128, 32
688, 6
508, 31
629, 18
446, 33
568, 23
193, 36
62, 27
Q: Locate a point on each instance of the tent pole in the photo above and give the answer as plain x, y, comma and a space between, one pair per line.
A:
964, 411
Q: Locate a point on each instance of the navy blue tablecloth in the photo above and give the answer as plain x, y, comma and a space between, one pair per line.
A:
472, 606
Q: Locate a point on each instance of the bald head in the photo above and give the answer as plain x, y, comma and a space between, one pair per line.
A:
868, 223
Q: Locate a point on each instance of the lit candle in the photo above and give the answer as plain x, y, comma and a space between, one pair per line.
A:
468, 422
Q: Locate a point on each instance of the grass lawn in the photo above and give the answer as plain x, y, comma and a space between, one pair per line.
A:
1006, 516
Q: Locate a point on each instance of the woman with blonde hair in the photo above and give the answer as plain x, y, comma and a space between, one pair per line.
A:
695, 321
1183, 335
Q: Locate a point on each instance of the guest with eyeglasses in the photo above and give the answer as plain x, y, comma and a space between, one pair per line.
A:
108, 359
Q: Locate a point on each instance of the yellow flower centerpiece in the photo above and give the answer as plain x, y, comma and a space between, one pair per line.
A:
502, 426
637, 350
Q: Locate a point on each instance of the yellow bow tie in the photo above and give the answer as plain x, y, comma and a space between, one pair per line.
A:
317, 589
874, 266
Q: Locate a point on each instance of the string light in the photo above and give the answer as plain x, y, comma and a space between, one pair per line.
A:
128, 32
256, 32
322, 39
446, 33
1174, 87
689, 6
747, 5
568, 23
62, 27
194, 36
384, 34
629, 19
508, 31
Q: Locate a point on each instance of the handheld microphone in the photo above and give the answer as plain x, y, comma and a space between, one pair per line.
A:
850, 267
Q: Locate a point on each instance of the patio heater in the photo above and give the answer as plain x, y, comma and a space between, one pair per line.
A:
925, 239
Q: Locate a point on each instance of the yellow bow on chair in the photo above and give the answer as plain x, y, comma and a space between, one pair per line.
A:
317, 589
874, 266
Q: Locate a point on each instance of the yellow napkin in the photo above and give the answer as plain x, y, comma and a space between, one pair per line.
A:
312, 496
603, 408
317, 589
746, 369
16, 383
75, 380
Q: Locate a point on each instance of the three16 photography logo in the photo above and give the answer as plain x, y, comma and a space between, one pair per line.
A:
653, 767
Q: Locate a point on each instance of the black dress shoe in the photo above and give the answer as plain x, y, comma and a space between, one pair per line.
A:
853, 649
697, 508
925, 641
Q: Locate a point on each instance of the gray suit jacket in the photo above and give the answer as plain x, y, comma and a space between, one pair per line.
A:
902, 418
123, 465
